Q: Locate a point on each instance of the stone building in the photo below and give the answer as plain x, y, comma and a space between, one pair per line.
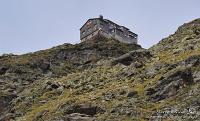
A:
100, 27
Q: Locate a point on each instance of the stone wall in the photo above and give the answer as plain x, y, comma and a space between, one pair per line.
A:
98, 27
91, 36
90, 27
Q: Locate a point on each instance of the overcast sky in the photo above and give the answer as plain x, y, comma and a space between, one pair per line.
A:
31, 25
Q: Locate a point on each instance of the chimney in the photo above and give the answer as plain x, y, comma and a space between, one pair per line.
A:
101, 17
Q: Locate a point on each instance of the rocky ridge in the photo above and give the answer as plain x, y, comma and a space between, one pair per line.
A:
105, 80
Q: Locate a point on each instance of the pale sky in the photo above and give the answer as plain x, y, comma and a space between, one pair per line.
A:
32, 25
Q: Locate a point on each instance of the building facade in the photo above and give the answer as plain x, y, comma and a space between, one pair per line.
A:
100, 27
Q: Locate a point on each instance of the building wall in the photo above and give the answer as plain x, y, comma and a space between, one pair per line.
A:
117, 32
123, 36
117, 37
125, 39
91, 36
99, 27
90, 27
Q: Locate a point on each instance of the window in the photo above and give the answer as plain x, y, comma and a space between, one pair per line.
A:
89, 29
135, 37
88, 23
101, 24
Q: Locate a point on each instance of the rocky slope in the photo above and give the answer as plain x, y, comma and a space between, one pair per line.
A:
105, 80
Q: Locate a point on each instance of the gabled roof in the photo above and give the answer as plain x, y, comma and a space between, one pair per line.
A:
104, 20
87, 21
107, 21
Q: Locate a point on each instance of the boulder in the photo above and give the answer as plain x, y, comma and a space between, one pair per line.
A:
87, 109
134, 56
39, 115
132, 94
53, 85
122, 92
151, 71
150, 91
196, 76
170, 83
3, 70
40, 64
78, 117
5, 104
109, 96
192, 61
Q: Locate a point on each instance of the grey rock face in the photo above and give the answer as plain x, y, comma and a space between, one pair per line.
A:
4, 104
39, 115
52, 85
133, 56
150, 91
3, 70
87, 109
171, 82
108, 96
132, 94
78, 117
194, 60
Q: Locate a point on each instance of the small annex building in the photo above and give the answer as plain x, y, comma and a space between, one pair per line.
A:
100, 27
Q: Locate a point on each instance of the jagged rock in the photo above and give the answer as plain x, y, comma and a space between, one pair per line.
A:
133, 56
108, 96
5, 104
3, 70
58, 119
18, 70
131, 72
39, 115
84, 54
196, 76
132, 94
43, 101
150, 91
87, 109
197, 32
122, 92
138, 64
7, 117
192, 61
41, 64
171, 82
124, 110
78, 117
178, 74
53, 85
151, 71
7, 55
184, 39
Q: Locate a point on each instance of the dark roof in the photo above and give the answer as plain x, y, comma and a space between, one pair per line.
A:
132, 33
104, 20
107, 21
87, 21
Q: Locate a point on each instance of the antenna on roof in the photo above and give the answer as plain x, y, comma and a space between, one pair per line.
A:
101, 16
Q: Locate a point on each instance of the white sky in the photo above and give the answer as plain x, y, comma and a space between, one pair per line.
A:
31, 25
